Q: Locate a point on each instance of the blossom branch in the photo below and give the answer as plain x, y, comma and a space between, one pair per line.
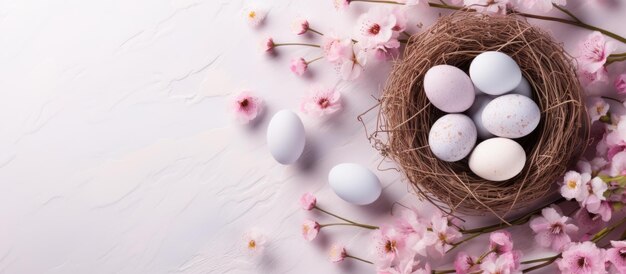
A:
346, 220
296, 44
358, 259
351, 224
517, 221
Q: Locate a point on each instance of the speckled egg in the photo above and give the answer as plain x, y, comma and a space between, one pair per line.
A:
523, 89
495, 73
448, 88
497, 159
452, 137
511, 116
476, 112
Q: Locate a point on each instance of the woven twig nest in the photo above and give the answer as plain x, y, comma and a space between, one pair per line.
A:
407, 114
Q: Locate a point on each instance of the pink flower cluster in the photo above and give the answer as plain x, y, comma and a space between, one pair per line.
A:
598, 185
500, 258
397, 247
586, 257
593, 53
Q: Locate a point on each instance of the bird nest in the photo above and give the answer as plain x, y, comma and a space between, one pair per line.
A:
407, 115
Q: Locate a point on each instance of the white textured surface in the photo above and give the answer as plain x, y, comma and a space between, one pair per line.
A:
117, 155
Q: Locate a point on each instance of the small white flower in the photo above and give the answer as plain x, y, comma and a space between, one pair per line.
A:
254, 15
254, 241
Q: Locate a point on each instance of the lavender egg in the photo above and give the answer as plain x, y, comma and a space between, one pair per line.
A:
448, 88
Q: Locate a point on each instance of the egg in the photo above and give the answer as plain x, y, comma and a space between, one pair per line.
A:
354, 183
285, 137
511, 116
523, 88
476, 112
448, 88
452, 137
495, 73
497, 159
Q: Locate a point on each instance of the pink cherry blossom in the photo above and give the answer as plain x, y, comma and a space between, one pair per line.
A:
489, 6
341, 4
351, 69
336, 49
503, 264
465, 263
308, 201
254, 241
618, 164
605, 211
310, 229
375, 27
408, 265
401, 20
500, 242
337, 253
543, 5
267, 44
594, 52
597, 107
245, 106
615, 255
388, 244
620, 83
445, 234
574, 185
298, 66
581, 258
595, 189
411, 224
551, 229
254, 15
299, 26
592, 78
321, 101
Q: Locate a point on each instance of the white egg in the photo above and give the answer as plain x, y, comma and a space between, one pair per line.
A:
523, 89
354, 183
497, 159
448, 88
511, 116
476, 112
495, 73
285, 137
452, 137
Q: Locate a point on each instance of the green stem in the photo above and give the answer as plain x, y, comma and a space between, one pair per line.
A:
611, 60
455, 245
313, 60
538, 260
443, 271
315, 31
350, 224
602, 233
296, 44
359, 259
548, 18
574, 23
346, 220
570, 14
379, 1
518, 221
549, 262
